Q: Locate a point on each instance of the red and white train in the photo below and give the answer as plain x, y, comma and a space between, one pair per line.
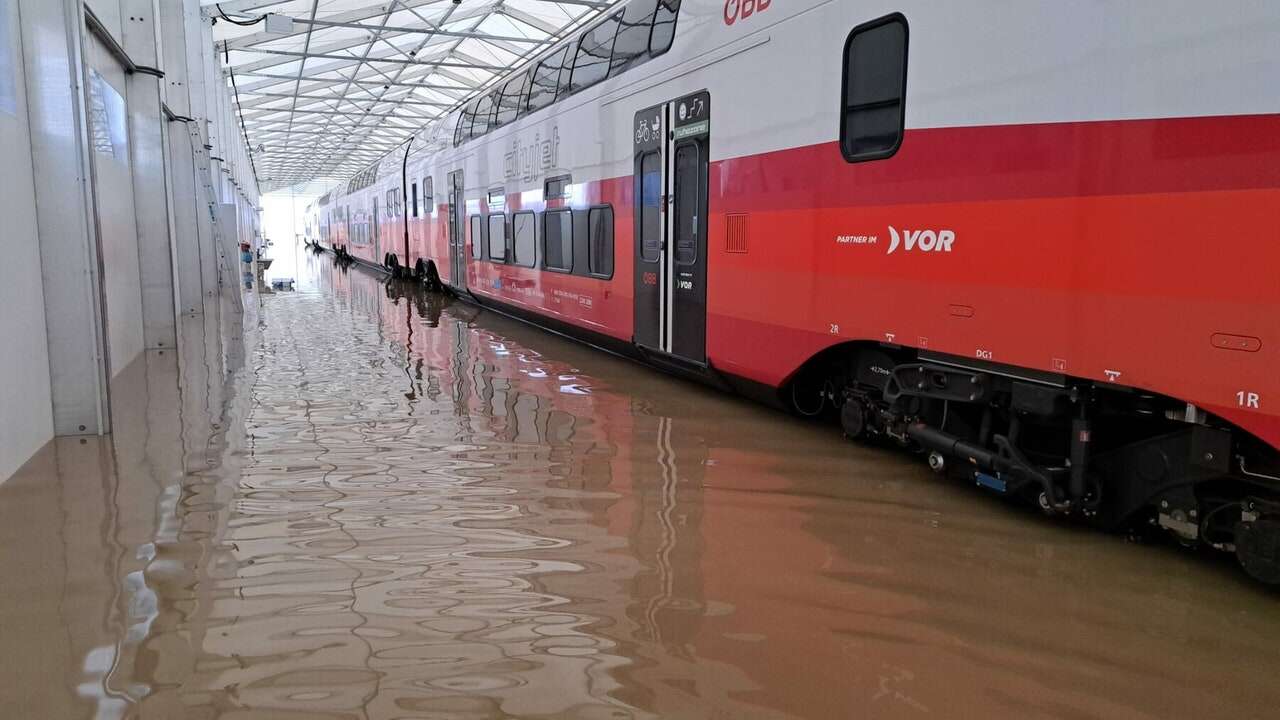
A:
1039, 241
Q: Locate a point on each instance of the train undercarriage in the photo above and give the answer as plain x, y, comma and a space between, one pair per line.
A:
1113, 457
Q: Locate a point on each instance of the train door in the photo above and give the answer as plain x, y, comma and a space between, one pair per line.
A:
457, 243
377, 231
671, 143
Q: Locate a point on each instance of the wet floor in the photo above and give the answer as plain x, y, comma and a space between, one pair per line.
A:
370, 506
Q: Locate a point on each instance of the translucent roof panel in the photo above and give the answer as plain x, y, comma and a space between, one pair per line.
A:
328, 86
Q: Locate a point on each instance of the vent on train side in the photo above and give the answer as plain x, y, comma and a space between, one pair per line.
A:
735, 233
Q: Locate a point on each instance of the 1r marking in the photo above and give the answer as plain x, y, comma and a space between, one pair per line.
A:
1249, 400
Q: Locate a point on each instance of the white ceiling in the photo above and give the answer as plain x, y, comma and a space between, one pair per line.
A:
353, 79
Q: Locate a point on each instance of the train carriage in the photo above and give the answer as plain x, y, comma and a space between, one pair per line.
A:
1036, 241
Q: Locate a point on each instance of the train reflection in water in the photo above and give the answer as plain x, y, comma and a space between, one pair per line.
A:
395, 506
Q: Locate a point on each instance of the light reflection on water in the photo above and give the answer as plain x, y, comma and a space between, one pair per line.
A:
383, 504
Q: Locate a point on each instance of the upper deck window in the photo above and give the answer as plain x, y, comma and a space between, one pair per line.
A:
546, 78
464, 122
873, 103
664, 26
484, 114
594, 50
632, 43
509, 103
641, 30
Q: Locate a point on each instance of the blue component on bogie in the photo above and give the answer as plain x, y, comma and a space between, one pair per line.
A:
991, 482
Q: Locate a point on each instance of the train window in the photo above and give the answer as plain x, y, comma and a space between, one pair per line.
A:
546, 78
509, 105
524, 233
477, 237
463, 130
484, 114
556, 188
600, 241
498, 237
632, 44
415, 199
664, 26
650, 207
428, 195
874, 89
594, 50
557, 240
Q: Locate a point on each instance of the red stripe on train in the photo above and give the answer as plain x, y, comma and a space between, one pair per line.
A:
1007, 162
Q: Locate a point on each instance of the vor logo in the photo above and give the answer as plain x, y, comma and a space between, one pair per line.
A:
922, 240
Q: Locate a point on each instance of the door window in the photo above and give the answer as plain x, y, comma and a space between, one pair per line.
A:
650, 207
687, 176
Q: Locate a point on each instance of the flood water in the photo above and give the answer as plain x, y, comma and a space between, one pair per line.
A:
367, 504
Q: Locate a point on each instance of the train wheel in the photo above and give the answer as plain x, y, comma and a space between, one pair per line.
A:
433, 277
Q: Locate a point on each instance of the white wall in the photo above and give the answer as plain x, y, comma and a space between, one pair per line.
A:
96, 219
113, 192
26, 418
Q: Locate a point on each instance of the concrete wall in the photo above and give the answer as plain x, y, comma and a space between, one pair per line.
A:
26, 410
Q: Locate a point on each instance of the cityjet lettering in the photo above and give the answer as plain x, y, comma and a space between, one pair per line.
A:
527, 162
922, 240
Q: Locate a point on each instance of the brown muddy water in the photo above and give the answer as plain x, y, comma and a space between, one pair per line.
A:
357, 505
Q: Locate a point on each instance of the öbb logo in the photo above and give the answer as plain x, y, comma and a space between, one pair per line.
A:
922, 240
735, 10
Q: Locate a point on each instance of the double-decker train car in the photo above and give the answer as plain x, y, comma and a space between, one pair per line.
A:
1037, 241
362, 221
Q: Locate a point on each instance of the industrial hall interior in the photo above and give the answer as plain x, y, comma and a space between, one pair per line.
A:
639, 359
